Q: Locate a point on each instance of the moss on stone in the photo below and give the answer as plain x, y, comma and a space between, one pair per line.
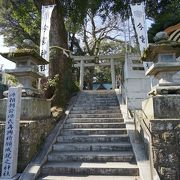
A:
32, 136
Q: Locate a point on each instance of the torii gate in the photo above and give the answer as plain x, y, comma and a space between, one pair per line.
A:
111, 60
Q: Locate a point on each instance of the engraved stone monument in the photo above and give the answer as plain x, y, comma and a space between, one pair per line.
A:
11, 140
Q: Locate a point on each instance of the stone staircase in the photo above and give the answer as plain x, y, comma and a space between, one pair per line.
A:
94, 141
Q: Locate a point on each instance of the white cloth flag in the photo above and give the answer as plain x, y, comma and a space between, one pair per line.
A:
139, 21
46, 13
138, 14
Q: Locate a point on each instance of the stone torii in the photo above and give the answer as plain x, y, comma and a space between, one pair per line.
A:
106, 60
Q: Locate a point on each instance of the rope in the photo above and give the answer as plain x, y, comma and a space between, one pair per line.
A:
65, 51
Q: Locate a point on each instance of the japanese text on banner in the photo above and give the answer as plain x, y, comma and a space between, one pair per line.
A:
139, 21
45, 29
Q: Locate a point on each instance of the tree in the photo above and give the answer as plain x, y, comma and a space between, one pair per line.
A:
19, 21
25, 13
15, 18
95, 29
164, 16
109, 47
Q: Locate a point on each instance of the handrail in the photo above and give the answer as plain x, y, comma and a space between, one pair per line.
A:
144, 126
123, 87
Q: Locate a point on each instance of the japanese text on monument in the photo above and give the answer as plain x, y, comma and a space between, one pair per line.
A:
11, 133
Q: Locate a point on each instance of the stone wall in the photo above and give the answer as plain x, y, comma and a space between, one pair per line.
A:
166, 147
31, 108
32, 135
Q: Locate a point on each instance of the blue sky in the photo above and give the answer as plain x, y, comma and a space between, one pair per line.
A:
6, 63
10, 65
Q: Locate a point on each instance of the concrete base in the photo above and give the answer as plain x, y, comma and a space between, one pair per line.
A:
31, 108
13, 178
163, 90
90, 178
26, 92
164, 106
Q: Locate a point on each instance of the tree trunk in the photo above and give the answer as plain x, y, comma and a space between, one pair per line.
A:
58, 37
60, 65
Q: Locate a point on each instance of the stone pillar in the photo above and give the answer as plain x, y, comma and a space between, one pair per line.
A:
165, 144
113, 74
163, 117
162, 109
81, 82
11, 140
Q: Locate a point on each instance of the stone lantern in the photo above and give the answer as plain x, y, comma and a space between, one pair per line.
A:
161, 110
26, 71
33, 107
165, 66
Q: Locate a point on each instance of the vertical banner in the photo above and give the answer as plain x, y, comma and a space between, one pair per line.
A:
11, 137
138, 14
46, 13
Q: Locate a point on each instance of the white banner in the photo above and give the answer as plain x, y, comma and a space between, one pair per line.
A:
46, 13
140, 25
138, 14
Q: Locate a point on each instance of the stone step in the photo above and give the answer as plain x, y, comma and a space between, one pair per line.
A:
123, 146
104, 104
89, 177
110, 115
86, 131
123, 156
81, 168
96, 108
97, 111
95, 120
94, 125
94, 101
97, 96
100, 101
94, 141
93, 138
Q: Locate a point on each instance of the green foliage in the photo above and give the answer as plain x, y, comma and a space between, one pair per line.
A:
160, 26
11, 80
62, 87
111, 47
102, 74
75, 87
162, 22
164, 13
53, 82
155, 9
75, 11
18, 21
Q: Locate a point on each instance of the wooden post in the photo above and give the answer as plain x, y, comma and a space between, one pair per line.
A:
113, 74
81, 75
11, 138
